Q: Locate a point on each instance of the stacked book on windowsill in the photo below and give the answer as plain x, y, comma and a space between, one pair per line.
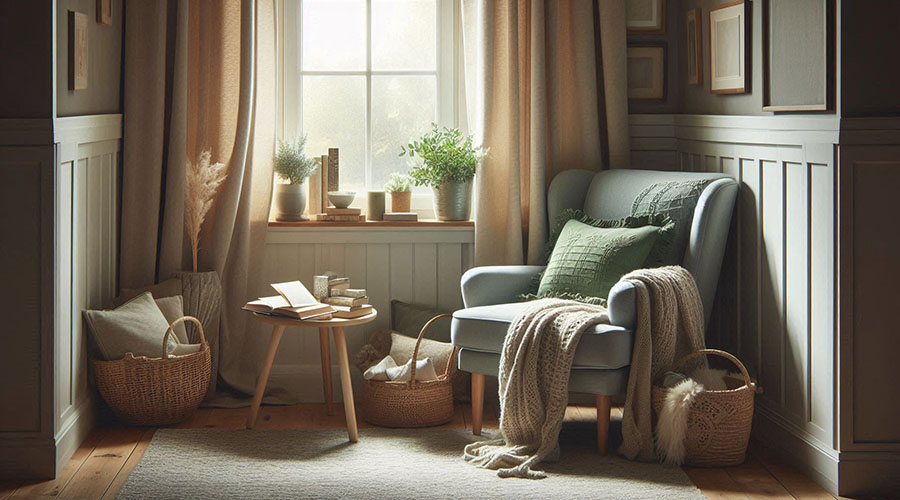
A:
341, 215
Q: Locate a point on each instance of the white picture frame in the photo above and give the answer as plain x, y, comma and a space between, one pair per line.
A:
728, 48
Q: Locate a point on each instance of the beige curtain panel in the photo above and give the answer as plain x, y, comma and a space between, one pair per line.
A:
549, 94
200, 75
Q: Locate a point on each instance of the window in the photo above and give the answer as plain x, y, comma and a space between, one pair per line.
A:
369, 75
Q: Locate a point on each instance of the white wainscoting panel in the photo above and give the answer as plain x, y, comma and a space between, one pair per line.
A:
781, 320
416, 265
86, 225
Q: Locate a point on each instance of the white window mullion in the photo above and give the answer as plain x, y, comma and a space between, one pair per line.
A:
369, 165
299, 72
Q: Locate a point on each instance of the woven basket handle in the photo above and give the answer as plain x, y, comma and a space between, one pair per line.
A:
172, 329
720, 353
415, 356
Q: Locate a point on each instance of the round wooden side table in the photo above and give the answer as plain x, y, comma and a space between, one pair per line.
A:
337, 326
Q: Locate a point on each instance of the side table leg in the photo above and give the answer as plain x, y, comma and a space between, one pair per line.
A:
340, 343
264, 376
324, 347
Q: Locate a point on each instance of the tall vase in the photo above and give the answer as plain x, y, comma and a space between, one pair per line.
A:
453, 201
290, 201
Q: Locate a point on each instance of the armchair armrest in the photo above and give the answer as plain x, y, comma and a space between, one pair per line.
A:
488, 285
622, 305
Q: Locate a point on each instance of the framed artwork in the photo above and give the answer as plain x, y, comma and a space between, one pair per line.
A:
104, 12
644, 17
728, 61
694, 48
798, 55
647, 72
78, 51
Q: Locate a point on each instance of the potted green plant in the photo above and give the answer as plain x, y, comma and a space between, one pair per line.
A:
448, 165
400, 187
294, 168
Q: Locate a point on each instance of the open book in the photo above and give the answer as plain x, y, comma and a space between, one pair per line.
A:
293, 301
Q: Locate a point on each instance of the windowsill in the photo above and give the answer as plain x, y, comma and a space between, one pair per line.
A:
424, 223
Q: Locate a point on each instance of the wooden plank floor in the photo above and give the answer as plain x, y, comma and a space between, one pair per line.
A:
102, 463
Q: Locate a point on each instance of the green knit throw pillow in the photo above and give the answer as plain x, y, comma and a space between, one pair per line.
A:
587, 261
675, 199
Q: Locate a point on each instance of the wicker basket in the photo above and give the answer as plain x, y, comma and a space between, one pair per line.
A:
718, 427
157, 391
412, 403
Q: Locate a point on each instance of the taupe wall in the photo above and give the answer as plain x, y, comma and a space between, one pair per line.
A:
104, 61
26, 85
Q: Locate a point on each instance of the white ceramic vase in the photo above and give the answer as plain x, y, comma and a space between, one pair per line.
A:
290, 201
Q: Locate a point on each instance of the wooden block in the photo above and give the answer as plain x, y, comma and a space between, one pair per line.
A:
401, 216
320, 287
338, 218
347, 292
323, 168
315, 193
346, 301
333, 170
343, 211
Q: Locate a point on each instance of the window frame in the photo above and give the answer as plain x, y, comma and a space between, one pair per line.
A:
289, 89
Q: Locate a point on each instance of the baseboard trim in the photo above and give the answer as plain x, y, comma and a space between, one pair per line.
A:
869, 473
814, 459
74, 431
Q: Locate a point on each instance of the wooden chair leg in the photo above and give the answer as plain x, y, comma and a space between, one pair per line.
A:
477, 402
602, 424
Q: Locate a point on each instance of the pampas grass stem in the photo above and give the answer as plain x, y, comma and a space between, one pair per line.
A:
202, 181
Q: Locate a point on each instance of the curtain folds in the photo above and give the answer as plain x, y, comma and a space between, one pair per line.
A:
200, 75
549, 95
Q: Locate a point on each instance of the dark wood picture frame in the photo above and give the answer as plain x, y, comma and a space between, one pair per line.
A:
662, 71
745, 58
695, 16
104, 12
658, 29
827, 77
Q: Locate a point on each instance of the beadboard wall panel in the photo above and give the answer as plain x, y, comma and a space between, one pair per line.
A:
777, 298
416, 265
86, 246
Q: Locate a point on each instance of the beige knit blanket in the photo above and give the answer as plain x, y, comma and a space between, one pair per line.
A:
537, 358
534, 377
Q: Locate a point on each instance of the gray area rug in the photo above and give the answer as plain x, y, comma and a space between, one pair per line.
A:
384, 464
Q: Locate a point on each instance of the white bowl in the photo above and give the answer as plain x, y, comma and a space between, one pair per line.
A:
341, 199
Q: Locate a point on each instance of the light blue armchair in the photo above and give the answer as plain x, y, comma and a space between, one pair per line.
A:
602, 357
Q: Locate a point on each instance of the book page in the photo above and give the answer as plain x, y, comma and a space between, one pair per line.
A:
295, 293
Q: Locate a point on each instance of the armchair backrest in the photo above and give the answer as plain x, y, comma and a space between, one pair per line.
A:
609, 195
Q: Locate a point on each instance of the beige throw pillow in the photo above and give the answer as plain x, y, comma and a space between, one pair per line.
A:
402, 350
137, 326
167, 288
173, 308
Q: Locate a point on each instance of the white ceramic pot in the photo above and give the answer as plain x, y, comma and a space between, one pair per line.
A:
290, 201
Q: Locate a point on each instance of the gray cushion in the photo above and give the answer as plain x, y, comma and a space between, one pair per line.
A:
409, 319
173, 308
589, 380
484, 329
137, 326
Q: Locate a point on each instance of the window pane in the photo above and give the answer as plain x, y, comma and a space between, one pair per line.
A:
334, 35
404, 34
334, 116
403, 107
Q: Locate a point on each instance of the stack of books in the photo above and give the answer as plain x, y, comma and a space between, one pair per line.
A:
336, 292
341, 215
